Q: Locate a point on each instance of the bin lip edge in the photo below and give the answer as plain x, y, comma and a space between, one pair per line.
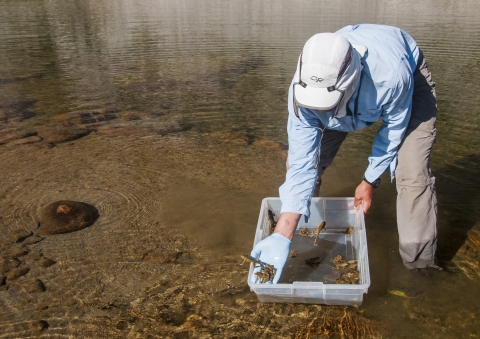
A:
303, 287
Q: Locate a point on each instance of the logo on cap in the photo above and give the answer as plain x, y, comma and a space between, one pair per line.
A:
316, 79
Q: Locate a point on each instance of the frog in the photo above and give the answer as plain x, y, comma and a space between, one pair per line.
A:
320, 228
271, 218
348, 231
313, 262
304, 232
352, 264
250, 259
267, 272
340, 265
336, 259
343, 264
351, 277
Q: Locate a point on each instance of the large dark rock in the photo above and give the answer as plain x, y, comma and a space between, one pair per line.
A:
66, 216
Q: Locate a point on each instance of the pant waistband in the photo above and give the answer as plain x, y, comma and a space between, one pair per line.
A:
420, 60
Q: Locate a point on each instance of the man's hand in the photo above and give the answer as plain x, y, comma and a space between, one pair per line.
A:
272, 250
363, 195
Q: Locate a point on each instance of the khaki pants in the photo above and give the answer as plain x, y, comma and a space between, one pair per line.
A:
417, 198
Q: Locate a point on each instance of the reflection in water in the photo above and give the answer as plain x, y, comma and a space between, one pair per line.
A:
92, 96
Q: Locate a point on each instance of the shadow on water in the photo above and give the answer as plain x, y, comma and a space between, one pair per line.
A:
458, 187
19, 110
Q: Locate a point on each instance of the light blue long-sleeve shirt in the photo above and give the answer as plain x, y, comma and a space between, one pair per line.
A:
385, 91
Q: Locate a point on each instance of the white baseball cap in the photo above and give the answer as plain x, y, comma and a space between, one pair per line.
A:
324, 60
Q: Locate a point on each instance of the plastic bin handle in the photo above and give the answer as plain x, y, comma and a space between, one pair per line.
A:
306, 284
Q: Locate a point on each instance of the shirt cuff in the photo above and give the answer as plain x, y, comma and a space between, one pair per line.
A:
296, 206
372, 174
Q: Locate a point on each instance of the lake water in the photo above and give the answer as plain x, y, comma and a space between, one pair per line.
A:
221, 68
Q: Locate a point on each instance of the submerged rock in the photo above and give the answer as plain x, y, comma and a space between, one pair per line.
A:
14, 251
32, 240
5, 138
142, 129
162, 257
20, 235
66, 216
88, 119
45, 262
28, 140
41, 308
37, 325
34, 286
8, 264
17, 273
55, 135
130, 131
474, 238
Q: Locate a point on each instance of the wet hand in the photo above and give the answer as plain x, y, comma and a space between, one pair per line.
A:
363, 195
272, 250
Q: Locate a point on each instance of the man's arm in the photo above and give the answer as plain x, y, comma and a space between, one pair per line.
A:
303, 155
287, 223
395, 116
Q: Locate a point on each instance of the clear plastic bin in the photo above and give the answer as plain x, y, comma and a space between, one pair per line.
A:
301, 283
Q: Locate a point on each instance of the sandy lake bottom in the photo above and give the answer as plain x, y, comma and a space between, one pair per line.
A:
163, 259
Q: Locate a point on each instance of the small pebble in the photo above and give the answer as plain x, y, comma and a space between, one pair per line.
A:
17, 273
9, 264
35, 286
15, 251
45, 262
162, 257
37, 325
20, 235
32, 240
121, 325
41, 308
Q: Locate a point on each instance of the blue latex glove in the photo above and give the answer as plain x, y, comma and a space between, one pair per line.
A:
272, 250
